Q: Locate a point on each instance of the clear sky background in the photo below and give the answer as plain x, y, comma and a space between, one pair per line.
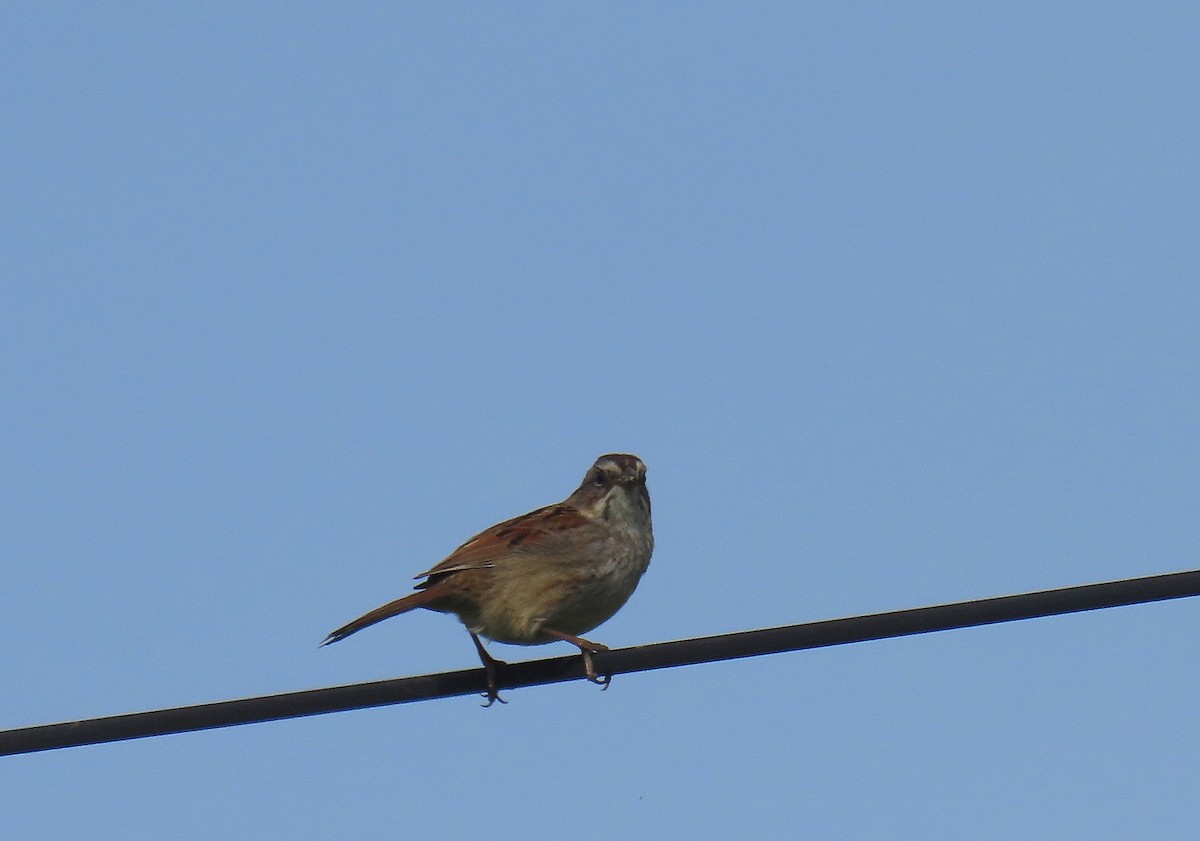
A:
898, 302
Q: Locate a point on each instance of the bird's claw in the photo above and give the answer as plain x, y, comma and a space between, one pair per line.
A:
602, 682
589, 668
492, 697
489, 670
493, 689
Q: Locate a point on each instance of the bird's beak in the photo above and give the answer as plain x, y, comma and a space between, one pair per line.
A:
633, 475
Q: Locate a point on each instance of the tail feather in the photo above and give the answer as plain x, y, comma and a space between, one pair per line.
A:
387, 611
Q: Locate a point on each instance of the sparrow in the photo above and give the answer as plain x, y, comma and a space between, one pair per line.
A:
548, 575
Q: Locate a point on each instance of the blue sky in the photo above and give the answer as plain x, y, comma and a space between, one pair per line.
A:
898, 302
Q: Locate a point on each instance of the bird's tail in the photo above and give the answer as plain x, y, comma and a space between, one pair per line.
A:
387, 611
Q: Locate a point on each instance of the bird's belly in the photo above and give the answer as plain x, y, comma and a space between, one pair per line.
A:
568, 599
592, 604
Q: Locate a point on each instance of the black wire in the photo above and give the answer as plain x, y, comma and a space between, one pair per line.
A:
619, 661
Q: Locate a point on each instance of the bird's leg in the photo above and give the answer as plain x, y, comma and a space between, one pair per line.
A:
586, 648
489, 667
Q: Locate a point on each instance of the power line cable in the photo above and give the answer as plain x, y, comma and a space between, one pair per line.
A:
638, 658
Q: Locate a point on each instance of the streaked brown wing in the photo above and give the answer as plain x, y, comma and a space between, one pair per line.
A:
527, 530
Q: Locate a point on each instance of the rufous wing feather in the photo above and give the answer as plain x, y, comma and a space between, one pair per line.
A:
505, 538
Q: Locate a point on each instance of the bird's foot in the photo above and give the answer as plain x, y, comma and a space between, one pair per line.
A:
589, 667
489, 669
587, 648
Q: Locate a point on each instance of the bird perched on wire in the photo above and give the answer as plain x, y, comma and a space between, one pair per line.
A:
551, 574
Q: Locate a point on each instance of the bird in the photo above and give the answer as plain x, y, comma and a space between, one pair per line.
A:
552, 574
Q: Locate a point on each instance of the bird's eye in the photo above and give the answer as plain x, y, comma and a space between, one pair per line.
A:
599, 480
